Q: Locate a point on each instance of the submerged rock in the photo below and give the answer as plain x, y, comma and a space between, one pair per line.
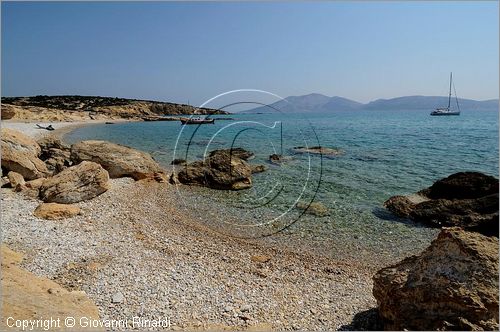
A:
76, 183
452, 285
468, 200
117, 159
258, 168
237, 152
319, 150
222, 169
275, 158
314, 208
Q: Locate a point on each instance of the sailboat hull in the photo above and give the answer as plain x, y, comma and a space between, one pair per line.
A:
444, 113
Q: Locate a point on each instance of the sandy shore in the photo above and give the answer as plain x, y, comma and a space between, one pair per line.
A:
136, 253
61, 128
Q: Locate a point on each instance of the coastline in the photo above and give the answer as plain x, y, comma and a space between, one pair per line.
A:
141, 249
61, 128
135, 240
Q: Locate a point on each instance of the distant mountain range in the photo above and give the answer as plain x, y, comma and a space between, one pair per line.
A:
316, 102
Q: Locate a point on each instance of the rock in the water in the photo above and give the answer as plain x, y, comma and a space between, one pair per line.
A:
20, 154
258, 168
468, 200
452, 285
178, 161
463, 185
478, 215
54, 211
314, 208
118, 160
77, 183
318, 150
236, 152
220, 170
276, 158
403, 205
15, 179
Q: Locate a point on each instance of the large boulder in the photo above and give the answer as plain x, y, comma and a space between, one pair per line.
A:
452, 285
463, 185
20, 154
77, 183
18, 141
222, 169
118, 160
467, 199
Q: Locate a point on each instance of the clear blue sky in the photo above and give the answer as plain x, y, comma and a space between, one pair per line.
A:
193, 51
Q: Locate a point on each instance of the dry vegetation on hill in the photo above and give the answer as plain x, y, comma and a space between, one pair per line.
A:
80, 108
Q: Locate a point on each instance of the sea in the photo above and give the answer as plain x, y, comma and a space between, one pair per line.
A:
379, 154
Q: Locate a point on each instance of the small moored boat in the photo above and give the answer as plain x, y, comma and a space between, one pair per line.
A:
448, 110
196, 120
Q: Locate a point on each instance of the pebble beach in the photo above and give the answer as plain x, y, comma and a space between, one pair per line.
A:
134, 252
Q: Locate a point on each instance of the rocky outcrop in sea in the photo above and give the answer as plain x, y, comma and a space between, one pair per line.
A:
466, 199
226, 169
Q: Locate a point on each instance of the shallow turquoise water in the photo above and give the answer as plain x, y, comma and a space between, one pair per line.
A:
385, 153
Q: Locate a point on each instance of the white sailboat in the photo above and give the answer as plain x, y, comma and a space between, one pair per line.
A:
448, 110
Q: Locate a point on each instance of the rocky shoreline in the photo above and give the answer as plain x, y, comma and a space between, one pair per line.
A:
103, 219
84, 108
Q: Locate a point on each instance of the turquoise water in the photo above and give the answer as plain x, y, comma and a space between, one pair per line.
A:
385, 153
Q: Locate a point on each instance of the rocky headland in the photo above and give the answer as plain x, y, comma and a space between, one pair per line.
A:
82, 108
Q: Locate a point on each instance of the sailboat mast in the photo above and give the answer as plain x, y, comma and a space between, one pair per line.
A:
449, 95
